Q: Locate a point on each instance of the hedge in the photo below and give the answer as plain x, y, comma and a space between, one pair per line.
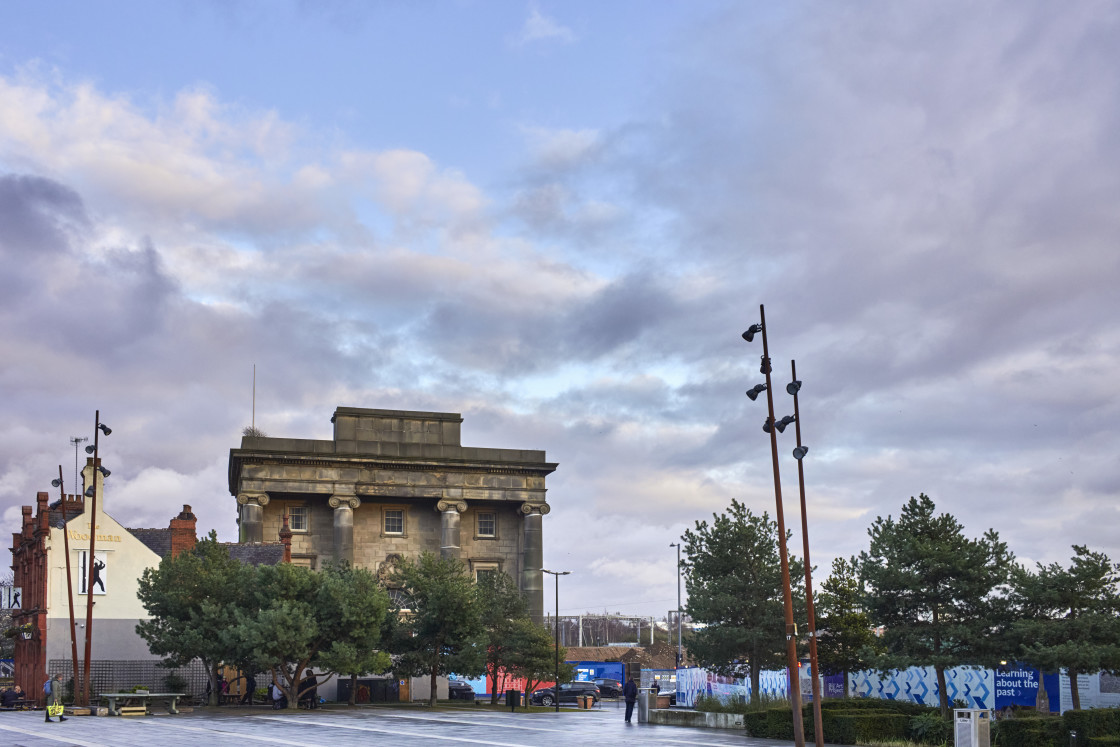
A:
1029, 732
1098, 722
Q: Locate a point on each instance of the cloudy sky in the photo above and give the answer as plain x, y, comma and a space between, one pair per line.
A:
557, 218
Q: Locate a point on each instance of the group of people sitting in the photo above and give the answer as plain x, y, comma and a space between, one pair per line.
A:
11, 696
308, 694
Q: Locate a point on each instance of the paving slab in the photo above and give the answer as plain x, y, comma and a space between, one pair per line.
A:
346, 727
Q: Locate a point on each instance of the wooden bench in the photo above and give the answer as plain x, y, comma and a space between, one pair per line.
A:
132, 711
128, 705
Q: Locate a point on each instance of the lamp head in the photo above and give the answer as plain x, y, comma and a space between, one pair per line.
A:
793, 387
89, 492
90, 449
800, 452
104, 472
756, 390
752, 330
781, 424
104, 428
765, 367
767, 426
56, 482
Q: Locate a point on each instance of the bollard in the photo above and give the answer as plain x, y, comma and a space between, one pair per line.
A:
512, 696
1073, 739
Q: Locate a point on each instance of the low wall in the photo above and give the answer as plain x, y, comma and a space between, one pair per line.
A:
675, 717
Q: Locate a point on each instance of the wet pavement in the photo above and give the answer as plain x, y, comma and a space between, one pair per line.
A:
360, 726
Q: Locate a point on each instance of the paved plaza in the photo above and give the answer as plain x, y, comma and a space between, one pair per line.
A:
360, 726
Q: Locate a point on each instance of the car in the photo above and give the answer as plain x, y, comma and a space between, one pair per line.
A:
608, 688
569, 691
459, 690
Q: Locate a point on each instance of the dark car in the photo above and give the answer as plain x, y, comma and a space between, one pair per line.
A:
608, 688
459, 690
569, 691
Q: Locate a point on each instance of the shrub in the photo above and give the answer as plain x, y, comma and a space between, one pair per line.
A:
930, 728
1029, 732
1098, 722
875, 704
1101, 741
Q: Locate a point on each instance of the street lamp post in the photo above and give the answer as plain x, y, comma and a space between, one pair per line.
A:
91, 493
680, 649
556, 685
69, 581
772, 427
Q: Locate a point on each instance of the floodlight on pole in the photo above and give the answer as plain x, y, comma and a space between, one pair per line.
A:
779, 514
91, 491
556, 688
69, 580
680, 648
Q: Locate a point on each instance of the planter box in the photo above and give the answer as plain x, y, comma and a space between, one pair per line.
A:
680, 717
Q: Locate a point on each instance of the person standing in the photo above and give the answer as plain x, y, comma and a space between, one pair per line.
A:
53, 690
630, 692
250, 688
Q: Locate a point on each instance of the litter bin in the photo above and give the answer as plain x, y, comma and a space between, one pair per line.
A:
972, 727
645, 695
513, 698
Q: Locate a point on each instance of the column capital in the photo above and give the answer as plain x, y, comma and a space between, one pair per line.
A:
535, 508
446, 505
343, 501
261, 499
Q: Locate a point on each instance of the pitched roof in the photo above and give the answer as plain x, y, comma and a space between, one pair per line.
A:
257, 553
156, 540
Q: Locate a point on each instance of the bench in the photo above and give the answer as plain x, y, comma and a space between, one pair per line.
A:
129, 702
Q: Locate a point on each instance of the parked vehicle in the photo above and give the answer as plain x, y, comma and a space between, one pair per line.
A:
608, 688
569, 691
459, 690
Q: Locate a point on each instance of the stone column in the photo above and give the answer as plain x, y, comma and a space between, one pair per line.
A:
449, 535
344, 506
532, 558
252, 516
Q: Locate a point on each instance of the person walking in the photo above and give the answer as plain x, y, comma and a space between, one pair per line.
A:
630, 692
53, 690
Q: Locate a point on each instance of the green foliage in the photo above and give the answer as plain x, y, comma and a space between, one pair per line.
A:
1068, 618
1029, 732
532, 654
733, 575
713, 704
845, 640
930, 728
1091, 724
189, 598
174, 683
936, 592
441, 632
504, 613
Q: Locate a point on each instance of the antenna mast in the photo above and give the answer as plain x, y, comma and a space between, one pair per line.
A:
75, 441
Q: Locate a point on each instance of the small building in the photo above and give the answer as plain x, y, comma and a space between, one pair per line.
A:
393, 484
120, 557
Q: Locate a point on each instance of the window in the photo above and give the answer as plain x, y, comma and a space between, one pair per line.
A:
483, 568
484, 573
298, 517
394, 521
487, 524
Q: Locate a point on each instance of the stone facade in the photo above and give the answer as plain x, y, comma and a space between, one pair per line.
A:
396, 483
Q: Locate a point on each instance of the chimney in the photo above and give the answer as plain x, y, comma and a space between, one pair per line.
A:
286, 539
43, 514
183, 537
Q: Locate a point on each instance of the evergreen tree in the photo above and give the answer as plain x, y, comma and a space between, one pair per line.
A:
935, 592
532, 654
502, 608
189, 598
1068, 618
845, 640
733, 575
440, 628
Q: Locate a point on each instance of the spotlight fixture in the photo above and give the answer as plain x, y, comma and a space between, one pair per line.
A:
793, 387
56, 482
104, 428
90, 449
765, 367
800, 452
781, 424
752, 330
104, 472
89, 492
757, 390
767, 427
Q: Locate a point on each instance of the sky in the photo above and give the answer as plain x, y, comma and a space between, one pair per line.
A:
557, 218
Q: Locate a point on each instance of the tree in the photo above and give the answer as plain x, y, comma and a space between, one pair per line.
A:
440, 629
845, 640
532, 655
189, 597
293, 619
502, 607
934, 591
1068, 617
734, 580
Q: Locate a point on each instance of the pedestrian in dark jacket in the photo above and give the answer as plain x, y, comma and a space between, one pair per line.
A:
630, 692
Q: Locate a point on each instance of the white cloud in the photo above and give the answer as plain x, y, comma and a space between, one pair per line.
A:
539, 27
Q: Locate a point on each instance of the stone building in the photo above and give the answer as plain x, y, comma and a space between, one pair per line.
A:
394, 483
